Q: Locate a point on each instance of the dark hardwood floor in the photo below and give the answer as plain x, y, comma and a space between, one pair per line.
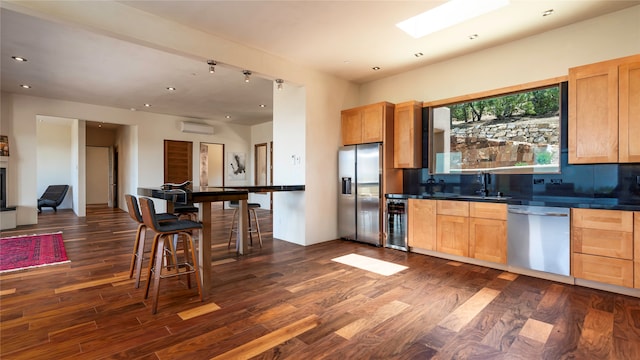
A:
294, 302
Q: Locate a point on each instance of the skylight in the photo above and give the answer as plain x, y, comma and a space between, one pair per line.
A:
448, 14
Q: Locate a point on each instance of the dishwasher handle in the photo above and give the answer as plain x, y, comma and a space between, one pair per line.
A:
525, 212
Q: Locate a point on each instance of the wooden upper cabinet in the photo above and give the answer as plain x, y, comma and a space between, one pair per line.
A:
407, 131
366, 124
351, 127
602, 96
372, 123
629, 112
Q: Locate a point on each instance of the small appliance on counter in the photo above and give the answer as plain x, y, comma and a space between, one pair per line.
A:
360, 177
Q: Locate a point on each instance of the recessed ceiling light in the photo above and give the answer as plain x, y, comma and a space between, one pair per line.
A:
227, 116
376, 68
19, 59
548, 12
448, 14
171, 88
262, 105
212, 66
25, 86
418, 54
473, 36
147, 105
133, 109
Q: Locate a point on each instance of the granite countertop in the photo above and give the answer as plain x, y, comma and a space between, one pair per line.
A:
559, 201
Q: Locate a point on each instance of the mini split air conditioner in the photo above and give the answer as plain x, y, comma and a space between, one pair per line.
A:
196, 128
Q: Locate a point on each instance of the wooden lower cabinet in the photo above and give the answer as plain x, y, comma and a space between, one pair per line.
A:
636, 246
453, 235
488, 231
602, 243
422, 224
488, 240
603, 269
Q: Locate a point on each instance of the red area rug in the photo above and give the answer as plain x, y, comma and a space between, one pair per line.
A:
22, 252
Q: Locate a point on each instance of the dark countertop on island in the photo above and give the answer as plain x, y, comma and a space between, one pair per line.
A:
207, 193
551, 201
268, 188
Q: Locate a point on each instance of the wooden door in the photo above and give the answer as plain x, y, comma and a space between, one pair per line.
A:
351, 127
488, 240
422, 224
372, 123
629, 112
178, 161
593, 113
452, 235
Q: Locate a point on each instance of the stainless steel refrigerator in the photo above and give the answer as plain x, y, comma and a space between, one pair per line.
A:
360, 185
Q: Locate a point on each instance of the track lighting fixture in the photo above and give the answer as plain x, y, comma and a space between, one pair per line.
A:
212, 66
247, 75
279, 82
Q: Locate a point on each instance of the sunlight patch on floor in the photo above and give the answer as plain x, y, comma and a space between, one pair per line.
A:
370, 264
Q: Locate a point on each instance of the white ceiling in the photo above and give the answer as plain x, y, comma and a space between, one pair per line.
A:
344, 38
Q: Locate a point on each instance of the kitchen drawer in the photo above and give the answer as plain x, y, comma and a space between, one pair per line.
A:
636, 267
487, 210
616, 244
452, 207
616, 220
603, 269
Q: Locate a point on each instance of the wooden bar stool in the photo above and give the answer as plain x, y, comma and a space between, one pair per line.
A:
164, 230
138, 245
251, 208
189, 211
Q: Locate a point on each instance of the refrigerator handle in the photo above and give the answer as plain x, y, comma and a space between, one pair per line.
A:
346, 186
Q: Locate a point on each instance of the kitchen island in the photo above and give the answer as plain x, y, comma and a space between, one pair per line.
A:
205, 195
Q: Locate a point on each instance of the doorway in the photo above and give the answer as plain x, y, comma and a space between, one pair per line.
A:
98, 175
212, 167
211, 164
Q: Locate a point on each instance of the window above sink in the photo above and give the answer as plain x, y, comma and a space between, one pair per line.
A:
515, 132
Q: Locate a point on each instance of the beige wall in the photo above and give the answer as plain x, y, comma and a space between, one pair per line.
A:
538, 57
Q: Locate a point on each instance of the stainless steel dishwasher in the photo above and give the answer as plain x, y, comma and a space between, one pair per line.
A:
539, 238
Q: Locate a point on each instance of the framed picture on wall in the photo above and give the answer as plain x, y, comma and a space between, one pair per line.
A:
4, 145
237, 166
